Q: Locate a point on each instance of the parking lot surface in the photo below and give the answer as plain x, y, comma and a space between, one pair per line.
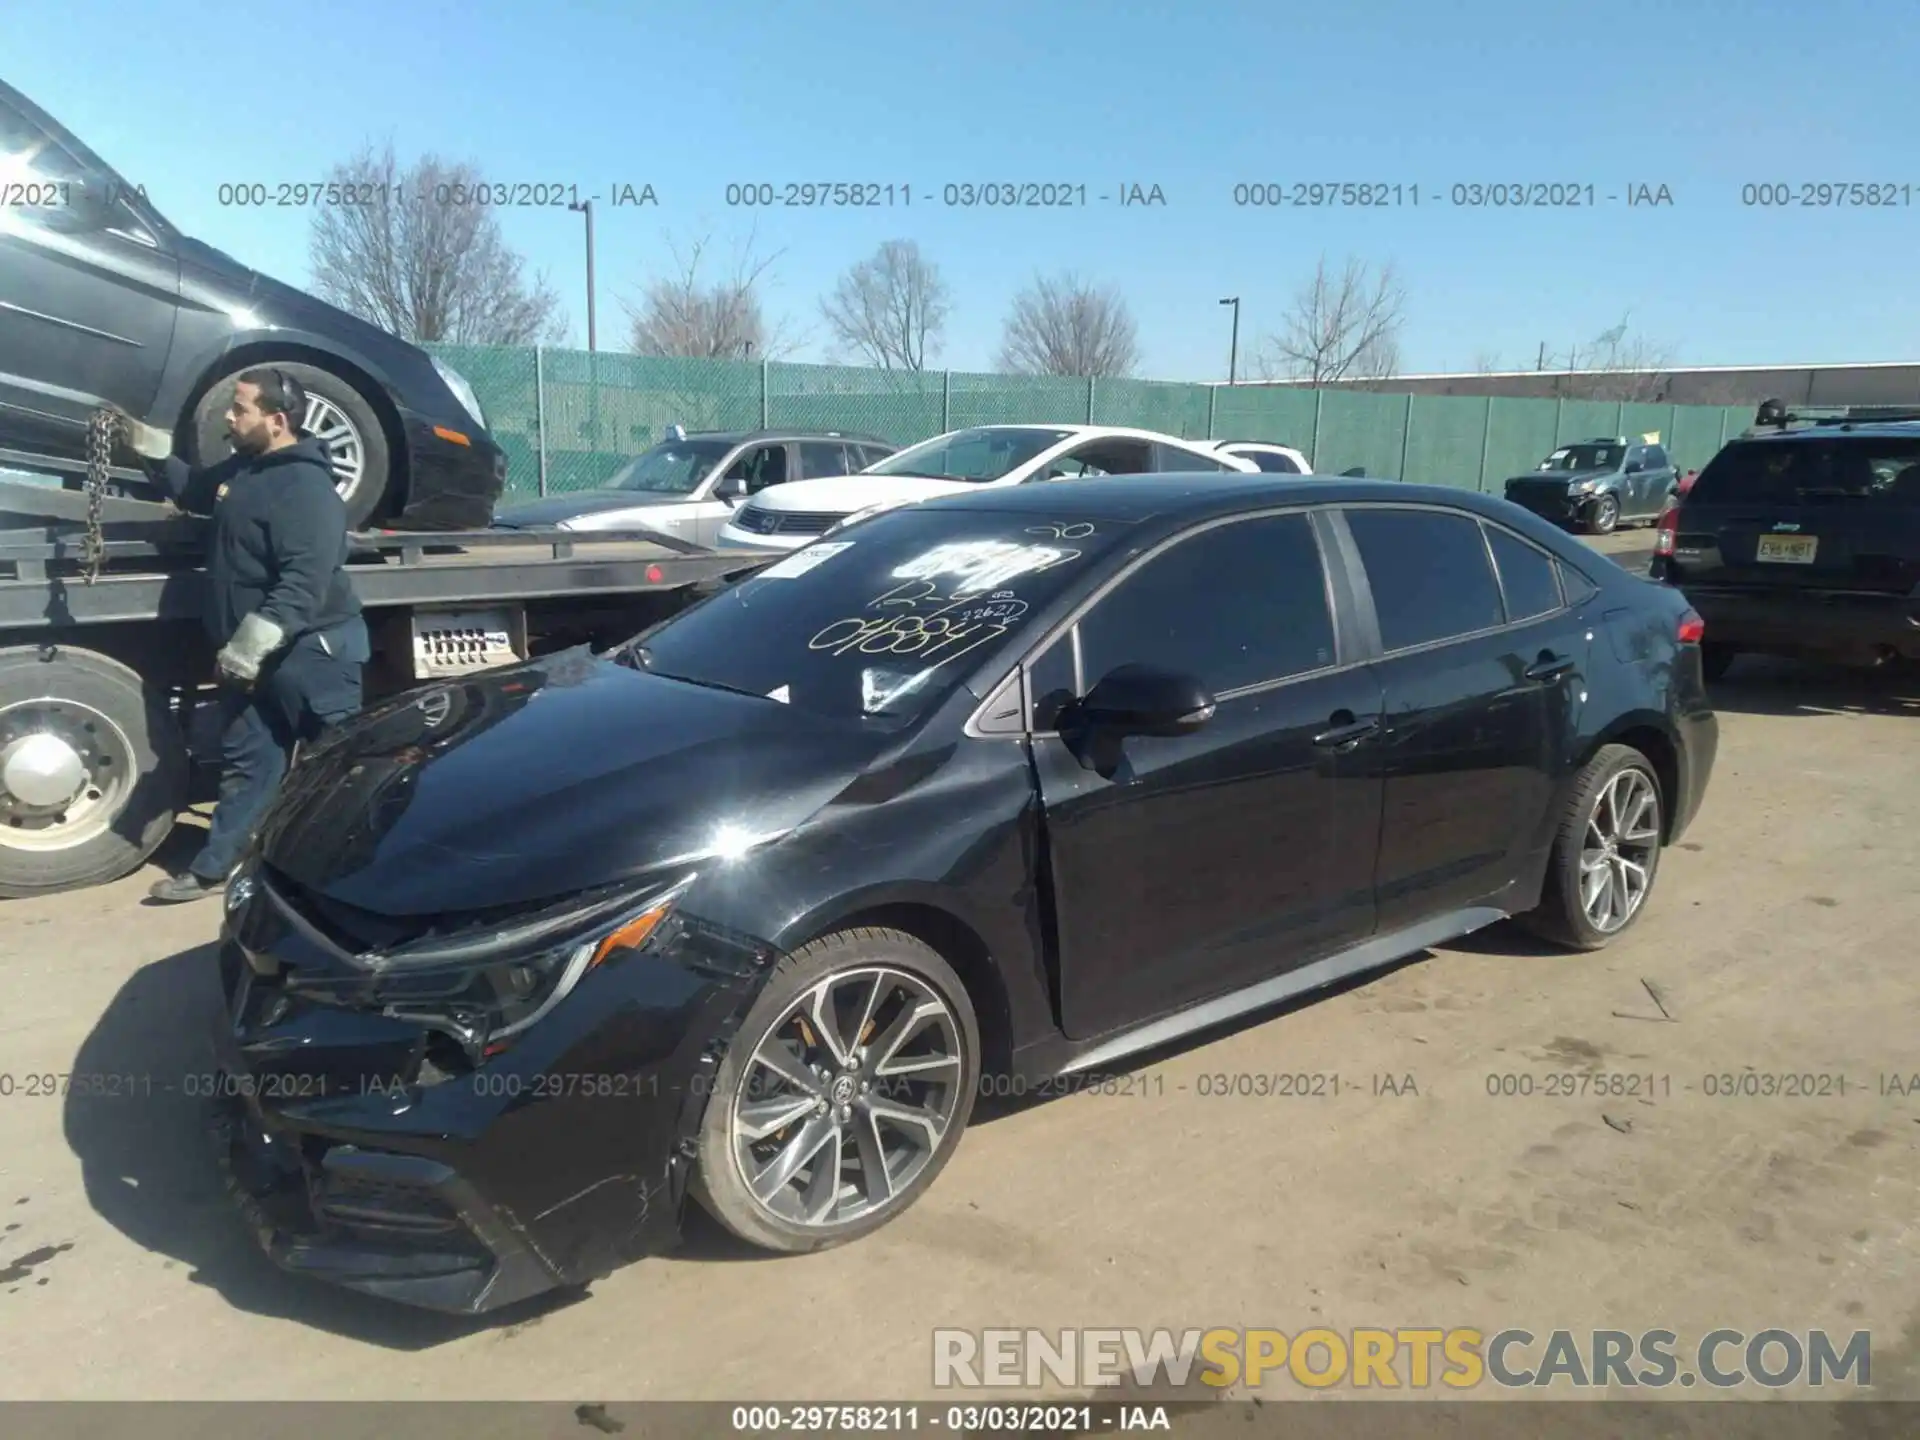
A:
1780, 941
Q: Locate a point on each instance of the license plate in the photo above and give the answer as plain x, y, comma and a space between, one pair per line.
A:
1788, 549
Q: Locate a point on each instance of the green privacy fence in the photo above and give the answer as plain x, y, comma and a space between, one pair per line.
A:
570, 418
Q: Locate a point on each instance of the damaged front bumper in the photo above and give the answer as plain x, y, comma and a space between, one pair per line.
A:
356, 1159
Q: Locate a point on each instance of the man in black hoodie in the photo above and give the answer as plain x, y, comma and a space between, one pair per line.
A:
279, 605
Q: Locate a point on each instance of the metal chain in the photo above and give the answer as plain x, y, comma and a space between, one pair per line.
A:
100, 432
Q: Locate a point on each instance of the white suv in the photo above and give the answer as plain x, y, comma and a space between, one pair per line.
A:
791, 515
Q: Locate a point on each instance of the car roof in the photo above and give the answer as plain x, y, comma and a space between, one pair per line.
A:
1177, 495
1871, 430
739, 437
1082, 432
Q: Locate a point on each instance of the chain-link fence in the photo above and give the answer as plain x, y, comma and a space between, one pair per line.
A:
569, 418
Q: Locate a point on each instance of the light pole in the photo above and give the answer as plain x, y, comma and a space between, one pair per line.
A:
1233, 353
585, 207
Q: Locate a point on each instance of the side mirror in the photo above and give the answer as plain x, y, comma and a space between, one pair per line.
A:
731, 488
1145, 700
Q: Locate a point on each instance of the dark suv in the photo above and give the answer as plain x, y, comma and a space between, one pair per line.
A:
1802, 538
101, 299
1597, 484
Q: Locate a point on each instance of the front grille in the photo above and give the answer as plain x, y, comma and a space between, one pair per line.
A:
1549, 495
357, 1202
785, 522
353, 929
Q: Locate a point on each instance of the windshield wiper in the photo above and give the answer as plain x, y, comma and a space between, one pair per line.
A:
704, 684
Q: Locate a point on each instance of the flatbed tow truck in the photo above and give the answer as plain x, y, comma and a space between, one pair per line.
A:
104, 665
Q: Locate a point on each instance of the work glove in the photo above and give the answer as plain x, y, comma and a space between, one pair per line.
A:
145, 440
254, 641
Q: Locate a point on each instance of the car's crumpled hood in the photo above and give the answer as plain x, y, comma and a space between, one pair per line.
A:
544, 779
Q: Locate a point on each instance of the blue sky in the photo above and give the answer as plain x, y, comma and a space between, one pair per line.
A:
184, 95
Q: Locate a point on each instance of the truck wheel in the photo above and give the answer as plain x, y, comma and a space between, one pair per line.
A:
93, 770
337, 413
1604, 516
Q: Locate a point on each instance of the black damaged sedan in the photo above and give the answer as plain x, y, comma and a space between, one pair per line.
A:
979, 791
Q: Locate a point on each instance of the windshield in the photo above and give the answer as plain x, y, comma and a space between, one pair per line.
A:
880, 627
1584, 457
1849, 470
675, 466
990, 453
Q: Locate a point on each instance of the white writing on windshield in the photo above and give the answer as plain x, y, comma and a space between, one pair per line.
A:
983, 564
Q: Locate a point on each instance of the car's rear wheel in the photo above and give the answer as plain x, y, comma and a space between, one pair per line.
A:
1605, 515
1606, 853
1716, 659
339, 415
843, 1095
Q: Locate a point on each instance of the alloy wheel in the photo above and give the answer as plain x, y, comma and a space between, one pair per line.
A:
848, 1097
1621, 842
1606, 514
346, 449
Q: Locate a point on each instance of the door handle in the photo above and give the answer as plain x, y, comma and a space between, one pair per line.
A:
1549, 667
1344, 736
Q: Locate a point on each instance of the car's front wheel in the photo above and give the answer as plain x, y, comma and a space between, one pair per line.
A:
1605, 515
1605, 855
843, 1094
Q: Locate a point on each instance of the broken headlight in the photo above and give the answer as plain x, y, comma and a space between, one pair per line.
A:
485, 990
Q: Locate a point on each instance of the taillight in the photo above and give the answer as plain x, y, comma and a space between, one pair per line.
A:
1692, 628
1667, 531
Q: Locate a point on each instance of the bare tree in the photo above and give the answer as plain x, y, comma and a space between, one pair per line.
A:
1617, 366
682, 314
1487, 362
1059, 326
1344, 327
890, 308
420, 259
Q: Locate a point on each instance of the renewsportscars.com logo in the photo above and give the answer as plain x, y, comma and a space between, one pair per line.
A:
1417, 1359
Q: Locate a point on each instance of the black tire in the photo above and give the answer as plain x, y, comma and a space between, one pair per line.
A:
369, 497
141, 736
717, 1182
1715, 660
1560, 916
1604, 518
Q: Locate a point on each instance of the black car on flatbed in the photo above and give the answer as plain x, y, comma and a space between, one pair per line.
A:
105, 301
1802, 538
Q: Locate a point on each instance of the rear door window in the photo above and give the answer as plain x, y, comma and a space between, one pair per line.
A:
819, 458
1528, 577
1430, 574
